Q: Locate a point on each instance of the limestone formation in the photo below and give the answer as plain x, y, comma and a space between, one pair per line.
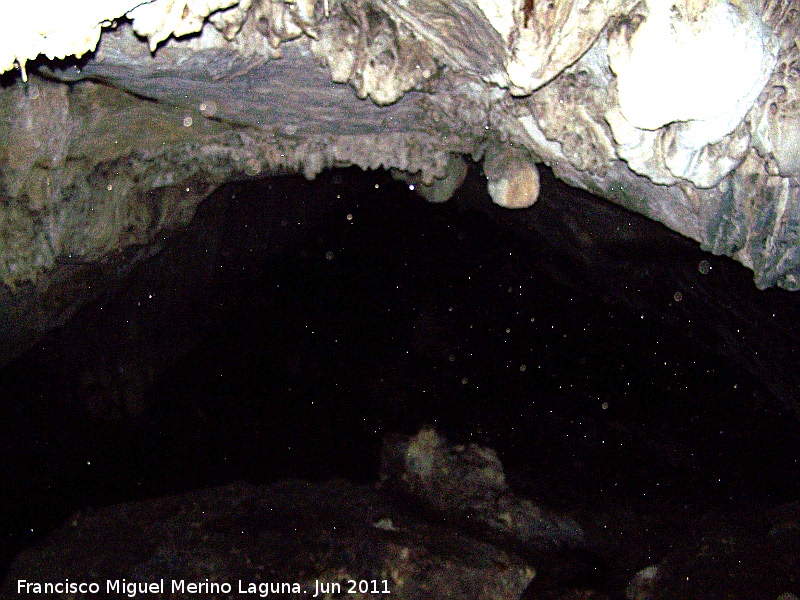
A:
683, 110
513, 178
436, 189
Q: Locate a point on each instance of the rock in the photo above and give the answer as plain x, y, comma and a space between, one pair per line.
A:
641, 587
437, 189
467, 484
513, 178
292, 537
728, 557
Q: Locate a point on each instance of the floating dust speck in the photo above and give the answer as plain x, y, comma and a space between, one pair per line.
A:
679, 296
329, 255
704, 267
187, 121
604, 406
523, 368
252, 167
464, 381
451, 358
208, 108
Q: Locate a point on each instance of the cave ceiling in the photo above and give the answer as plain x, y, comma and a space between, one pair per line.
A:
118, 118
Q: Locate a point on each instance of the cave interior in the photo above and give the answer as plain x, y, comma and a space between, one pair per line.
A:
294, 324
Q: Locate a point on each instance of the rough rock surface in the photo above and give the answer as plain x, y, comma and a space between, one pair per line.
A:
467, 483
105, 155
730, 558
316, 535
295, 538
312, 535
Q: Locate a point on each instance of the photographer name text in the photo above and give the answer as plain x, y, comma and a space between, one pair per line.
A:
134, 589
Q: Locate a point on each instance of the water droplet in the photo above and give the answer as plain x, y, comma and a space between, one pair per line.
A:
704, 267
252, 167
208, 108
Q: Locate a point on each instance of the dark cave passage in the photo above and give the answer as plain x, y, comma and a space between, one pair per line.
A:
609, 361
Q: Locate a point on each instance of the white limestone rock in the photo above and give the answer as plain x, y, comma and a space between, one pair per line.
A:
436, 189
513, 177
161, 19
375, 54
776, 129
55, 29
63, 29
704, 65
229, 21
687, 75
570, 111
550, 36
